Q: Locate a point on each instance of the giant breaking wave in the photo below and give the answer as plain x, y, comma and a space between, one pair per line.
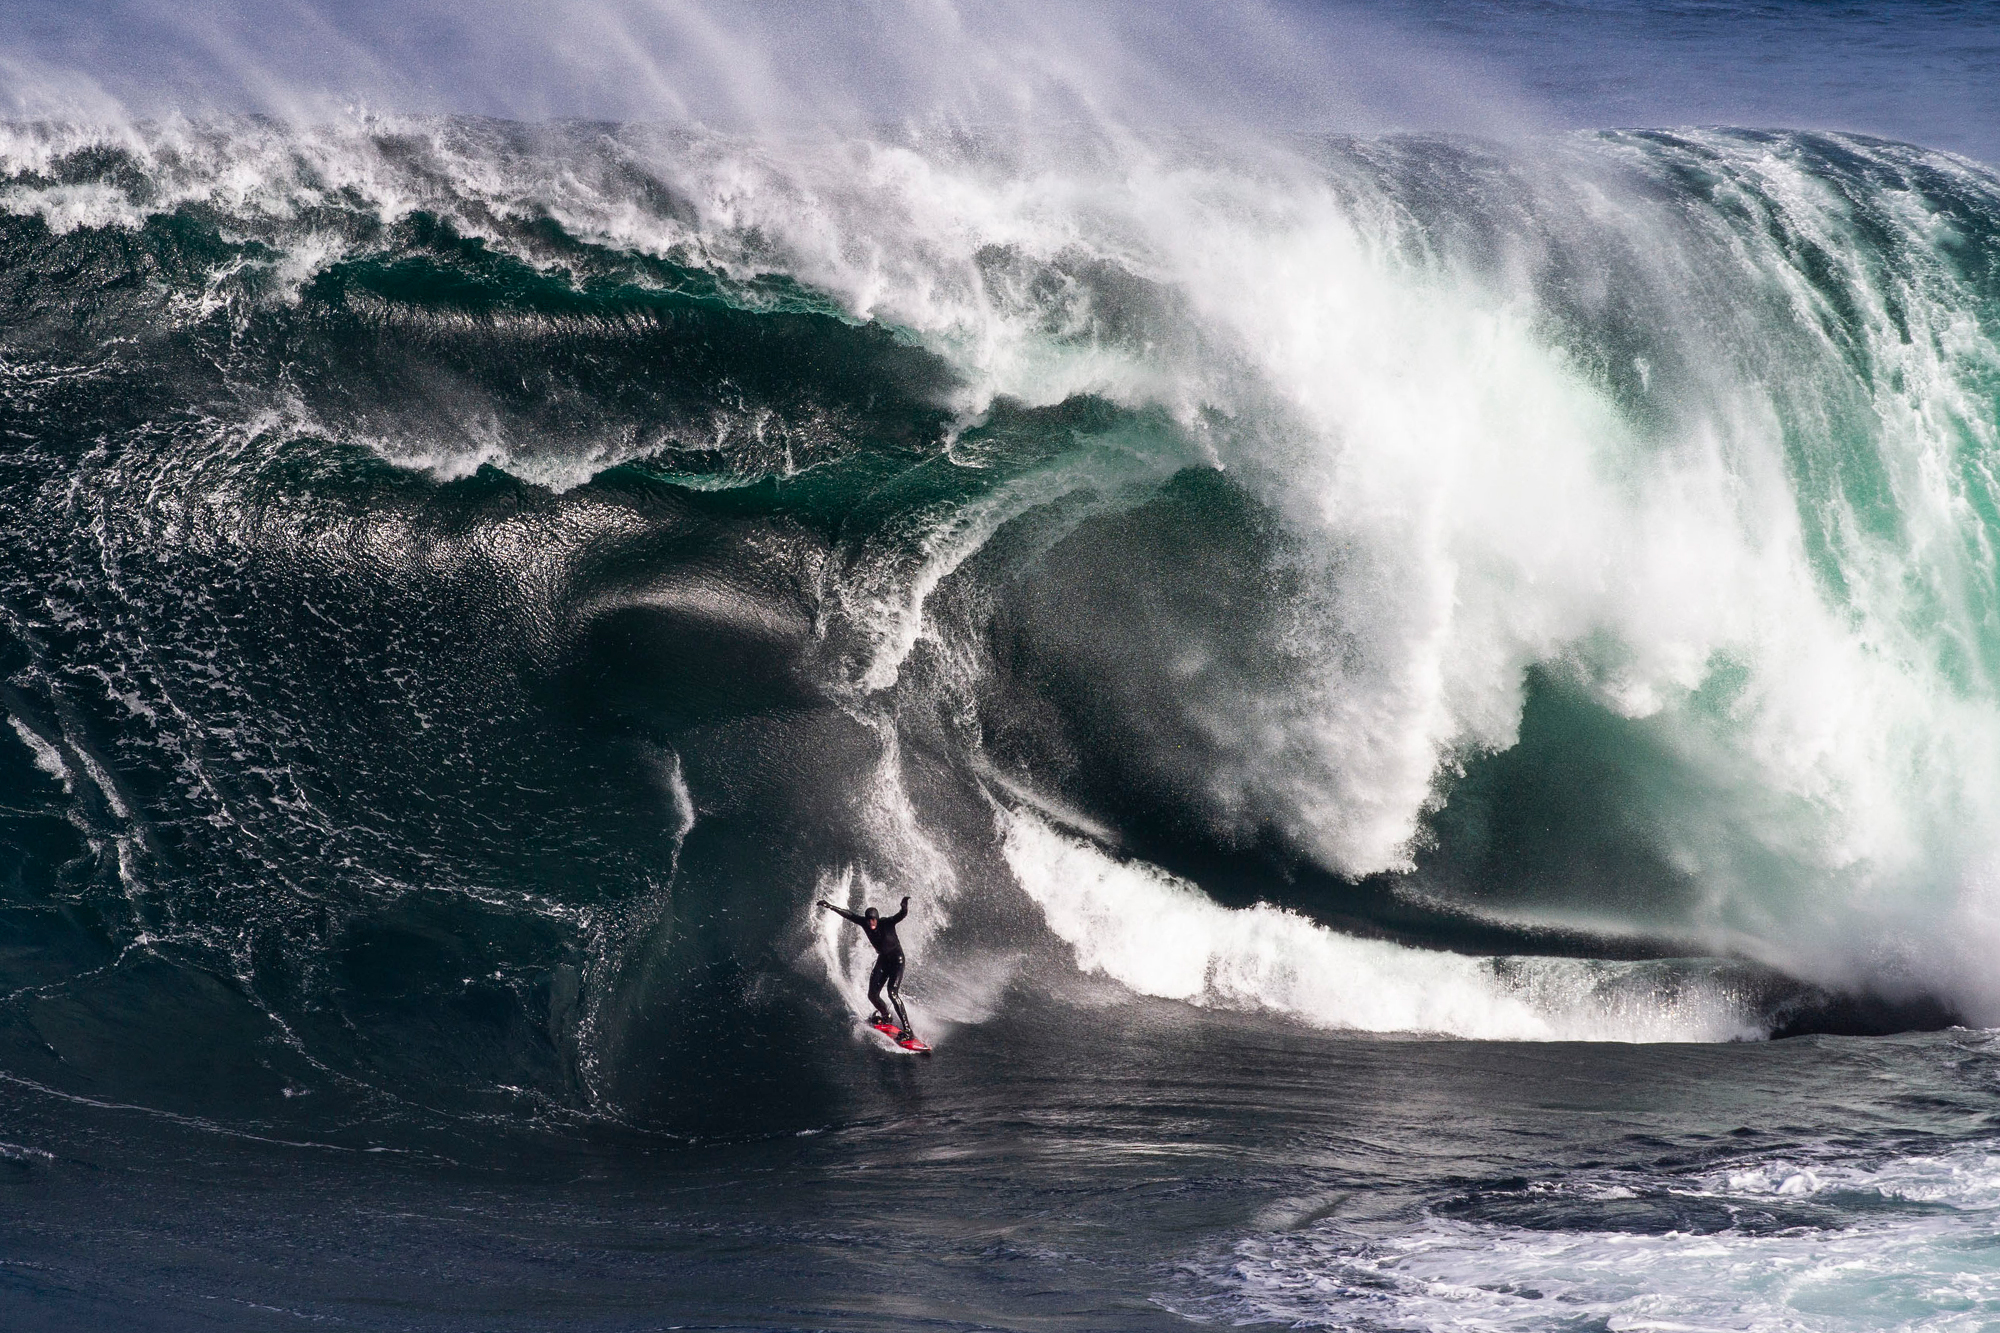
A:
469, 587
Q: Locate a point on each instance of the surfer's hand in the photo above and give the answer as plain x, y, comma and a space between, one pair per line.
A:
827, 905
906, 900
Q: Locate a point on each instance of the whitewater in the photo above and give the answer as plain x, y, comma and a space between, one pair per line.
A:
1435, 691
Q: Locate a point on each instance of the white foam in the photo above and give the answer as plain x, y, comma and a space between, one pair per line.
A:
46, 756
1966, 1177
1159, 935
1872, 1269
1912, 1274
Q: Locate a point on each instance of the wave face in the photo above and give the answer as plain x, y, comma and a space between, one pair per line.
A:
470, 587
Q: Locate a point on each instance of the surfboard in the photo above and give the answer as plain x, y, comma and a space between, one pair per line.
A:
915, 1045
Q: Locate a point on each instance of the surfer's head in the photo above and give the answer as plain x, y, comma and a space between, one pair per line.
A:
871, 914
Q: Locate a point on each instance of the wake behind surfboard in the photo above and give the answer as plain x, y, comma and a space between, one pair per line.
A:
914, 1044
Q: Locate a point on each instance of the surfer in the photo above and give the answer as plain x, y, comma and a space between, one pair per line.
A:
881, 932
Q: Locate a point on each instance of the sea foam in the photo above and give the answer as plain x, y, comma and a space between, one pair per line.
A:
1159, 935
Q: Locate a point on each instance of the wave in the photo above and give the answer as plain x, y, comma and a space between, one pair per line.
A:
471, 585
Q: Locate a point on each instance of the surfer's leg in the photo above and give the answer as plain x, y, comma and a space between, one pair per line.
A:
896, 993
875, 980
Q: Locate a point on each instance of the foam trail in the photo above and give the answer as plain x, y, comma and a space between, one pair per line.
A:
47, 757
1160, 935
1913, 1251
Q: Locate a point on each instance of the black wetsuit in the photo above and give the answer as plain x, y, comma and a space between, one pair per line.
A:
888, 960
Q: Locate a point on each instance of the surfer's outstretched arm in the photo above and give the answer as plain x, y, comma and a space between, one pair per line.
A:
892, 920
855, 917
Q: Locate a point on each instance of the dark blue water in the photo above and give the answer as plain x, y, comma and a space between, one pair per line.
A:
1139, 1170
1412, 597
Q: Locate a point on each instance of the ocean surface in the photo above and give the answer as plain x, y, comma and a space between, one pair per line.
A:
1435, 689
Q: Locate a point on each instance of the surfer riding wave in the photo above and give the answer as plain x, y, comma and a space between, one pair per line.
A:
889, 960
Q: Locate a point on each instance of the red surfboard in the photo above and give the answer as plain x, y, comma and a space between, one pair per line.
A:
897, 1035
